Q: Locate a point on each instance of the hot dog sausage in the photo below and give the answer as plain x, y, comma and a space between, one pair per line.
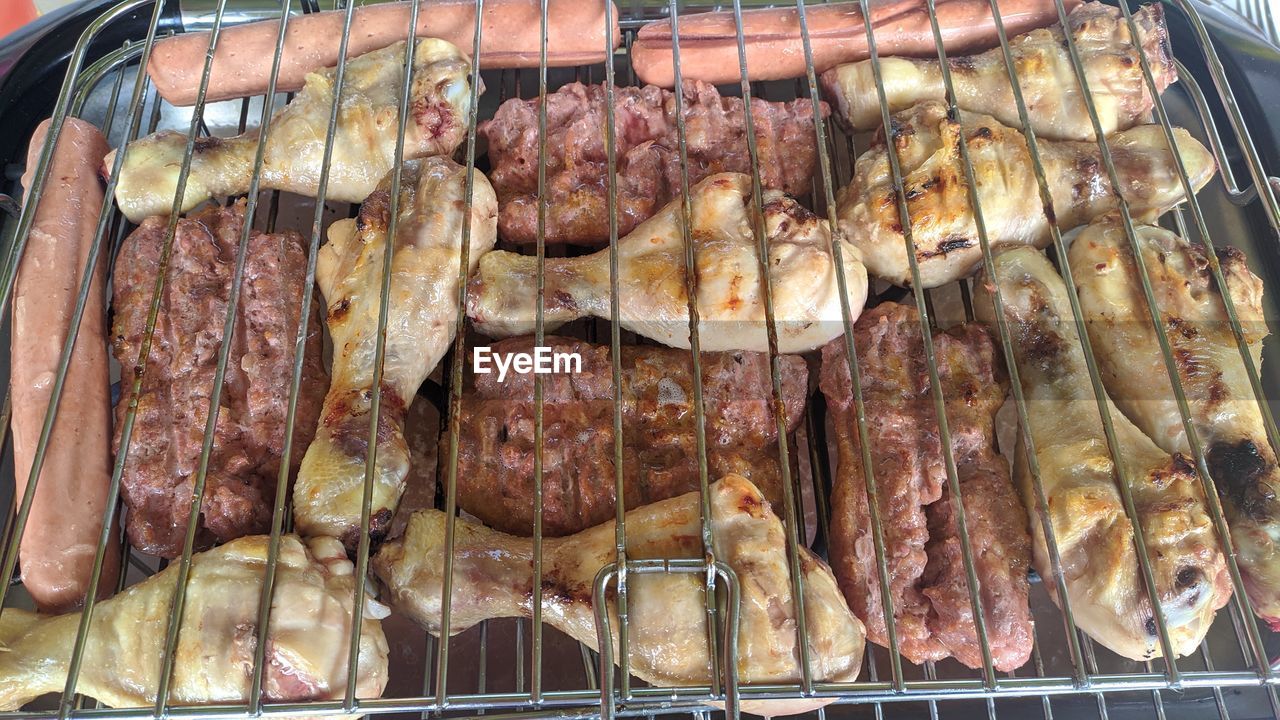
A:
510, 39
62, 531
775, 47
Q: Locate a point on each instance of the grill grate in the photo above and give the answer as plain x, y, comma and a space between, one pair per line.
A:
603, 689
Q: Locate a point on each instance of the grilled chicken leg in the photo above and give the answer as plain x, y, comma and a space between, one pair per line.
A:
1093, 534
492, 573
1046, 76
307, 642
946, 239
363, 147
651, 279
1227, 418
420, 325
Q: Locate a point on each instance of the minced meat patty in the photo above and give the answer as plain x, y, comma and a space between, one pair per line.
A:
177, 382
496, 448
647, 153
928, 585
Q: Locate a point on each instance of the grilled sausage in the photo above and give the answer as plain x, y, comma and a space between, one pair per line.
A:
510, 39
775, 47
62, 531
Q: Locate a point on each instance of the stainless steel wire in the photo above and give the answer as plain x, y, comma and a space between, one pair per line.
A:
455, 376
926, 333
539, 340
299, 358
615, 695
615, 357
379, 361
851, 352
764, 268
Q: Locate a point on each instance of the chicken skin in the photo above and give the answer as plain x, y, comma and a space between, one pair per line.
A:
363, 146
1224, 412
492, 574
421, 317
945, 235
1046, 76
1095, 539
651, 277
307, 641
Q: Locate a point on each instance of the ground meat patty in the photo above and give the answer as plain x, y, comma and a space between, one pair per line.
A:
177, 384
647, 152
496, 450
928, 586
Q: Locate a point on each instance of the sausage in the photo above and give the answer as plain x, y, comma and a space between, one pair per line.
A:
510, 39
775, 47
62, 531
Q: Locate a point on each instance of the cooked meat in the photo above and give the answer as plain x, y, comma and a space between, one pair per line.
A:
974, 386
947, 246
1055, 103
421, 435
651, 277
928, 587
493, 574
647, 153
328, 498
177, 382
306, 652
1095, 538
1226, 415
364, 147
496, 450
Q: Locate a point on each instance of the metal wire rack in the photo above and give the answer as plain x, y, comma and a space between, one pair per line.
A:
510, 666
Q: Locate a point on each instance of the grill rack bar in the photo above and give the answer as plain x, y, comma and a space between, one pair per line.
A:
539, 339
1194, 679
1006, 338
455, 377
299, 351
621, 570
926, 313
851, 353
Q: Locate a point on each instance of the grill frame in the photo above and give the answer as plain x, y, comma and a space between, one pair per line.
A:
1084, 677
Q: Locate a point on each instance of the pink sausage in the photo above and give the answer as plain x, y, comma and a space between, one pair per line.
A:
510, 39
775, 46
61, 538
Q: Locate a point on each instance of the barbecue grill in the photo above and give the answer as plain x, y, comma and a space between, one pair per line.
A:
1229, 76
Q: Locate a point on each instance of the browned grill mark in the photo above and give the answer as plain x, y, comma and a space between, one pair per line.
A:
339, 311
1188, 577
752, 505
348, 420
1181, 327
561, 300
982, 133
379, 525
555, 592
1238, 471
206, 144
948, 244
